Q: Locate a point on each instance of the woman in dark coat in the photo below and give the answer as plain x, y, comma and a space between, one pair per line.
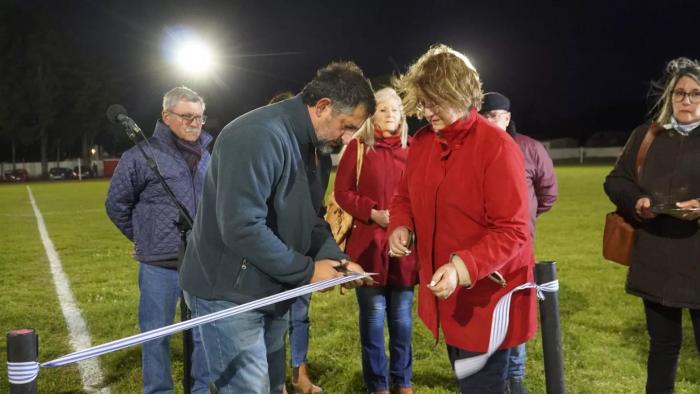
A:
663, 202
384, 143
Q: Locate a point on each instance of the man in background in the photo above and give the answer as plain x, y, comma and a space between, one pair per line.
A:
139, 206
542, 193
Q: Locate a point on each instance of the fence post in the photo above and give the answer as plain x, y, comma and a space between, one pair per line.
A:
22, 346
546, 271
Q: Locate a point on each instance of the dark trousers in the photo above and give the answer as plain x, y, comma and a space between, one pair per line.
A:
489, 380
664, 325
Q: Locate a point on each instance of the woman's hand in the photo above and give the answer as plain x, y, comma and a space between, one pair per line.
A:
380, 217
689, 204
643, 208
399, 242
444, 281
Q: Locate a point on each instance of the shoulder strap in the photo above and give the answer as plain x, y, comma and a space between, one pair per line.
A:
644, 147
358, 161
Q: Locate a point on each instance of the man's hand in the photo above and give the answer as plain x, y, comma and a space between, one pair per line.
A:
325, 269
643, 208
399, 242
380, 217
354, 268
689, 204
444, 281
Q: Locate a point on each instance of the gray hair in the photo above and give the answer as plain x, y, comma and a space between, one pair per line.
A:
175, 95
663, 88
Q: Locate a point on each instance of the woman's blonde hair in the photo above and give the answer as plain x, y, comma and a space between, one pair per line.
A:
366, 132
445, 77
663, 88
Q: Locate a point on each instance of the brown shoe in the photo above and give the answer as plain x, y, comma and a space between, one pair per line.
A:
404, 390
301, 382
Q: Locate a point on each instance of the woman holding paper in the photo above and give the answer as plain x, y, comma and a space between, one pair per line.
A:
663, 202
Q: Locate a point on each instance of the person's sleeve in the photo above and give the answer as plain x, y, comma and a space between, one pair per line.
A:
621, 184
506, 206
345, 188
124, 188
400, 211
545, 182
249, 164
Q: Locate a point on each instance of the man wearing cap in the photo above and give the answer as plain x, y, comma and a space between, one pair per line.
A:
542, 193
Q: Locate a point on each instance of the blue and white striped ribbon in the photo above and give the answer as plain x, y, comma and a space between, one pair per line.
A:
25, 372
499, 327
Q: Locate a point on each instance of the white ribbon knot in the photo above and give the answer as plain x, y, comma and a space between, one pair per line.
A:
499, 327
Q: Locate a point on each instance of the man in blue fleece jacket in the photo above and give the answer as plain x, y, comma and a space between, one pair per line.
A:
260, 228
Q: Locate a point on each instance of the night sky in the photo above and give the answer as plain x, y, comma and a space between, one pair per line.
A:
570, 68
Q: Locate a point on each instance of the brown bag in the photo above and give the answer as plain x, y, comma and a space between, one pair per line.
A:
618, 234
339, 220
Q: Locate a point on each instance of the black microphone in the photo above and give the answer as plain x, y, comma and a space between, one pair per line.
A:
117, 114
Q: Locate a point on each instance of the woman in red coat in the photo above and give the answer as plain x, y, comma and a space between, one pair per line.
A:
464, 199
384, 143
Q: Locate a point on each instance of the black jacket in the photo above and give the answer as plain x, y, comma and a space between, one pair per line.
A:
259, 227
665, 261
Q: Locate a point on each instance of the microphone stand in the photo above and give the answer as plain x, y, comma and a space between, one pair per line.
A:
184, 225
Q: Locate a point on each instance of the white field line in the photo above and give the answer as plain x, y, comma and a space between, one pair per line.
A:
90, 371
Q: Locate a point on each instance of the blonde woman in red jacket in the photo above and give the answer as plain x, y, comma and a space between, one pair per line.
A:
384, 141
464, 199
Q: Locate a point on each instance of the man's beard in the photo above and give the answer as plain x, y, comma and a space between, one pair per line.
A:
327, 147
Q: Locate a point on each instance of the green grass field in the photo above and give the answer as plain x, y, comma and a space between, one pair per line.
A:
604, 339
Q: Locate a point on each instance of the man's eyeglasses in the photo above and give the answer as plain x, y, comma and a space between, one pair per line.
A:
680, 95
189, 118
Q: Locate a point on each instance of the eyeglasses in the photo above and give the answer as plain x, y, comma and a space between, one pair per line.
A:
422, 106
189, 118
680, 95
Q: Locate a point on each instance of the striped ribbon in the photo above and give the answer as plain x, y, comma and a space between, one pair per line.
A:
499, 327
26, 372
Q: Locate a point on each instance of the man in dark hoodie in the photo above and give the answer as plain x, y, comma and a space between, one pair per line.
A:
139, 206
261, 231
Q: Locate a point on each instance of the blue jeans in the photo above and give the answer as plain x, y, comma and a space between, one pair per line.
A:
299, 330
516, 361
157, 305
245, 352
489, 380
376, 303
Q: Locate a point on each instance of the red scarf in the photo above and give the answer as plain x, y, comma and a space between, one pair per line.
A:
393, 140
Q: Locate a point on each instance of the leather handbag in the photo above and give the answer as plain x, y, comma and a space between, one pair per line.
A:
339, 220
618, 234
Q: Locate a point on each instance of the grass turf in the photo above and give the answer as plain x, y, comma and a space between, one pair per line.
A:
603, 333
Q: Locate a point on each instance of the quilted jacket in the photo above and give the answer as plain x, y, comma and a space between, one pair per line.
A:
139, 206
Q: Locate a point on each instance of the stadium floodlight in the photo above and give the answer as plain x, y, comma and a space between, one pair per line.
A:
194, 57
189, 52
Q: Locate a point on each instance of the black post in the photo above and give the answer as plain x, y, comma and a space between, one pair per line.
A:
546, 271
22, 346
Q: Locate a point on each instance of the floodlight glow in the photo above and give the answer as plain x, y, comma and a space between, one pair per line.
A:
194, 57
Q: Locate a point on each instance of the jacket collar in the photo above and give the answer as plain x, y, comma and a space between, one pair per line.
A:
298, 115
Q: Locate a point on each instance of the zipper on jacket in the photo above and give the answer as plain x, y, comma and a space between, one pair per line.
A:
244, 267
